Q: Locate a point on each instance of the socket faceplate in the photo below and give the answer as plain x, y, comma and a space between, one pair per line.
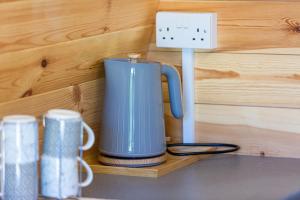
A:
186, 30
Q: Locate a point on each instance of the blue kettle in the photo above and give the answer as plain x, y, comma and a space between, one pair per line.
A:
133, 116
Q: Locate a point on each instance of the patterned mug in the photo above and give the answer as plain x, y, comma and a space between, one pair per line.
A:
19, 157
63, 136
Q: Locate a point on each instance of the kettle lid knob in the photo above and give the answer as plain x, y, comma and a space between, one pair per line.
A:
133, 57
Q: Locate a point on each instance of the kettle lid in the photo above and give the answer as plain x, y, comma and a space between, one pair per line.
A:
133, 58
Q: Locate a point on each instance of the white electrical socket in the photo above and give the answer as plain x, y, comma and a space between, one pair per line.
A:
186, 30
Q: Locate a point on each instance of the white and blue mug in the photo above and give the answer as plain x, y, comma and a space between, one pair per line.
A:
19, 157
63, 136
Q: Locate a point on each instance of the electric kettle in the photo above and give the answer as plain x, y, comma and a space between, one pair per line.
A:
133, 116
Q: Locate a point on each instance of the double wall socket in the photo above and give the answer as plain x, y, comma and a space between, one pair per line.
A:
186, 30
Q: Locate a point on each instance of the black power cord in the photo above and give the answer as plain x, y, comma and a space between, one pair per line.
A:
230, 148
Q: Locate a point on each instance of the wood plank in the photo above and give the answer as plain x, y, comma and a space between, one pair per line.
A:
259, 131
34, 71
248, 25
173, 128
39, 104
85, 98
277, 119
35, 23
242, 79
253, 141
273, 51
173, 163
91, 105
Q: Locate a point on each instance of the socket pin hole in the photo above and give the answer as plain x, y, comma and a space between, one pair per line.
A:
194, 38
202, 39
164, 38
172, 38
198, 30
168, 28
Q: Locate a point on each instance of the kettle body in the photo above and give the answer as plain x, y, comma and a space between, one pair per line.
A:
133, 115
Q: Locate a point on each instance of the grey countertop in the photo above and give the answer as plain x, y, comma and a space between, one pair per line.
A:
226, 177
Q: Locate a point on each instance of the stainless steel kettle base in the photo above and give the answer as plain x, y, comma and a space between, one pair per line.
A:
134, 163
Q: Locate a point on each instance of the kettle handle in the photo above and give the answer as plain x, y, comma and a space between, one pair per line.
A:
174, 85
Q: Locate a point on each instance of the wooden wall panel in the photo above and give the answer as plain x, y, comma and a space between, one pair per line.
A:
242, 79
35, 23
259, 131
52, 67
48, 45
85, 98
247, 90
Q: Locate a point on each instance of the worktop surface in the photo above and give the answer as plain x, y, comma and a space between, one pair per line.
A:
226, 177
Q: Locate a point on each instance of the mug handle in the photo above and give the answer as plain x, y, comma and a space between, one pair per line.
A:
90, 175
91, 137
2, 165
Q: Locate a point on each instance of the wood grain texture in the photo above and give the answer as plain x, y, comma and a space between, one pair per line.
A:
173, 163
35, 23
273, 51
85, 98
248, 25
38, 70
259, 131
242, 79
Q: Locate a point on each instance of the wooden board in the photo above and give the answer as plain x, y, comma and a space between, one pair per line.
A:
52, 44
84, 98
173, 163
69, 98
242, 79
35, 23
259, 131
39, 70
248, 25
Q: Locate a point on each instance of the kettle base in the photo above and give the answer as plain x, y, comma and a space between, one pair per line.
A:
133, 163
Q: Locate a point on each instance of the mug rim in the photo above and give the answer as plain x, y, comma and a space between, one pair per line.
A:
62, 114
18, 119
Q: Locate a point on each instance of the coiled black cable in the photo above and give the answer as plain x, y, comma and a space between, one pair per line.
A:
231, 148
